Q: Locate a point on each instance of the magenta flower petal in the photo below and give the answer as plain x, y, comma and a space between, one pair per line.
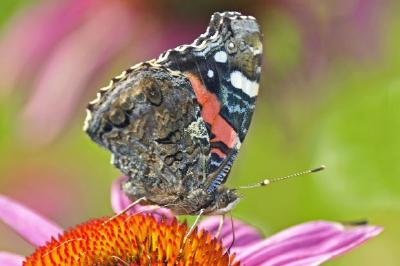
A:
10, 259
22, 49
62, 80
119, 201
244, 234
30, 225
307, 244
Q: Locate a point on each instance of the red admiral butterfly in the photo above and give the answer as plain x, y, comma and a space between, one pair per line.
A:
174, 125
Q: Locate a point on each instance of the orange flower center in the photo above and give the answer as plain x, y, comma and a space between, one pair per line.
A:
131, 240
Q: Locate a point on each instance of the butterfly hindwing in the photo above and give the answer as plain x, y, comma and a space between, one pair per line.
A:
157, 145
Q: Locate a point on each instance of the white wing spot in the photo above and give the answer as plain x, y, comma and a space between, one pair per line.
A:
221, 57
241, 82
88, 118
210, 73
196, 129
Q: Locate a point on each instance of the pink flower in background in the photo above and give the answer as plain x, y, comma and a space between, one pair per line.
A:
337, 29
62, 49
58, 48
34, 228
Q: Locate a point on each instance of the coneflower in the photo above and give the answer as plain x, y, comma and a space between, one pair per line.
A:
143, 239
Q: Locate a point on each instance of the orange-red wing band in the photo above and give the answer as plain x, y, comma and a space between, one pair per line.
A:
211, 114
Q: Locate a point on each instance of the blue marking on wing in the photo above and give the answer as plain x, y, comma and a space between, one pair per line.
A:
222, 173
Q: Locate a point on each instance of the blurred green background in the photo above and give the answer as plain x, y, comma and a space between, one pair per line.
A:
330, 94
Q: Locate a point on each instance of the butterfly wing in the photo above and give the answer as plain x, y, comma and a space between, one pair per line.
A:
156, 144
223, 66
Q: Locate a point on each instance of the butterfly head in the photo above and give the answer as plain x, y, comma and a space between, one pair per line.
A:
224, 201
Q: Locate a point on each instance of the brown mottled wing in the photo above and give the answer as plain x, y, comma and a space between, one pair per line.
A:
150, 120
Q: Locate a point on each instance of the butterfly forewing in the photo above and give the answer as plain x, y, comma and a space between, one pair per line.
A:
223, 66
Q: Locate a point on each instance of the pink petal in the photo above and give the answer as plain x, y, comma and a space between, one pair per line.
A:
10, 259
31, 226
307, 244
35, 33
74, 63
119, 201
244, 234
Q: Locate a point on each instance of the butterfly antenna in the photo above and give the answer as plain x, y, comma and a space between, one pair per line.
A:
268, 181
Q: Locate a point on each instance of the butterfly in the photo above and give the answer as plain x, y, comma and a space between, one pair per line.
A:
175, 124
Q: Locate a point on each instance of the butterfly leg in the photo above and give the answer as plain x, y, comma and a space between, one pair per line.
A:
119, 260
228, 251
221, 224
189, 233
130, 206
193, 226
233, 233
149, 208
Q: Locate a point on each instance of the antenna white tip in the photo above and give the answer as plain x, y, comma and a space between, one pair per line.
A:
320, 168
266, 182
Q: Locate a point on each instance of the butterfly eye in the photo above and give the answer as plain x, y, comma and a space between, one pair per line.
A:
231, 47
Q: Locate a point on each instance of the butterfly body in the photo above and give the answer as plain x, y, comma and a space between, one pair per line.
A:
175, 124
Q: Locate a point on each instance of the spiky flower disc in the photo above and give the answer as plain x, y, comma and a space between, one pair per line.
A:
130, 240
